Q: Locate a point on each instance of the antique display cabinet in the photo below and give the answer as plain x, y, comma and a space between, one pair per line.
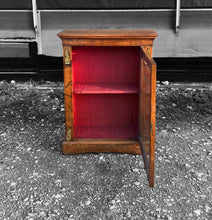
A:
110, 92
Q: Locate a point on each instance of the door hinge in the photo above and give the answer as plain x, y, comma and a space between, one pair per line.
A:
148, 50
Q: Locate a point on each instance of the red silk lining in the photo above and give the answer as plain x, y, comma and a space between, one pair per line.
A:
105, 87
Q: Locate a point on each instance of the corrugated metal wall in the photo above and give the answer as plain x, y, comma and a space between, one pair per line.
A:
194, 39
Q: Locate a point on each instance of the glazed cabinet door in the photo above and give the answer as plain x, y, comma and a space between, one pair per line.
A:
147, 110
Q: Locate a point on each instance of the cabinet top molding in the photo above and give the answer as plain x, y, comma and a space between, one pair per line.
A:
90, 33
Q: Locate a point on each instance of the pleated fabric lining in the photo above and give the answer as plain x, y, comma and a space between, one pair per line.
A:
105, 87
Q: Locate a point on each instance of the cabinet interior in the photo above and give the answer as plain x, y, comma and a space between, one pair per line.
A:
105, 91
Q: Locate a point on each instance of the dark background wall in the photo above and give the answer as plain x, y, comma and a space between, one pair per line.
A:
103, 4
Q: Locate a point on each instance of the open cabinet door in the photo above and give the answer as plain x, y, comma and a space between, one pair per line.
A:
147, 110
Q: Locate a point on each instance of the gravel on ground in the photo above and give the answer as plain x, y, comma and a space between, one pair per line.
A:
38, 182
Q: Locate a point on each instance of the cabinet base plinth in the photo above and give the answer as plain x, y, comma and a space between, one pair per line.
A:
80, 146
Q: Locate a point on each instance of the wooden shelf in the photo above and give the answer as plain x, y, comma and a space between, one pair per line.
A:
105, 88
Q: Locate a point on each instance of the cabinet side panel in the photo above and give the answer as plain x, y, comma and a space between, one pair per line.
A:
68, 92
153, 120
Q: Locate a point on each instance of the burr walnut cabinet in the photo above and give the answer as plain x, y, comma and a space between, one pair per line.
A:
110, 92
